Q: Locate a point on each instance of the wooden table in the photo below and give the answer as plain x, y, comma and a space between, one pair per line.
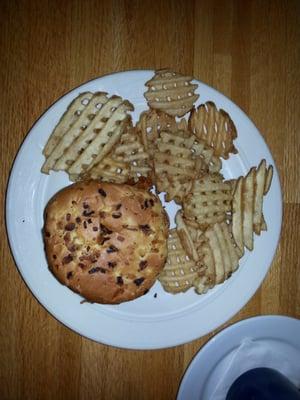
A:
249, 50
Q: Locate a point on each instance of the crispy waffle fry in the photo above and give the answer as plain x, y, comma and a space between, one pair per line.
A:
229, 251
171, 92
233, 183
186, 237
220, 257
214, 127
180, 271
178, 160
217, 254
247, 205
174, 156
89, 134
105, 139
126, 161
151, 123
234, 252
209, 201
70, 116
131, 151
109, 170
73, 131
90, 137
248, 198
174, 190
261, 180
263, 224
204, 152
268, 179
173, 164
237, 219
206, 280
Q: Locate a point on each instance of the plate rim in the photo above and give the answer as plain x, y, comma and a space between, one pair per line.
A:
46, 306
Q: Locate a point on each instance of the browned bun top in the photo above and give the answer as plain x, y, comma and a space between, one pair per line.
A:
106, 241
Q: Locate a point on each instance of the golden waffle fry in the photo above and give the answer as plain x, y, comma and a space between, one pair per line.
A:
90, 137
105, 139
204, 152
233, 183
171, 92
180, 271
173, 164
247, 205
261, 181
151, 123
174, 190
248, 200
215, 128
220, 257
174, 157
207, 279
74, 131
177, 193
126, 161
178, 160
209, 201
237, 217
185, 235
70, 116
109, 170
131, 151
217, 253
89, 134
268, 179
263, 224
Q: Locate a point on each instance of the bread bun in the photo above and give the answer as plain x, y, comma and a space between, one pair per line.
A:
105, 241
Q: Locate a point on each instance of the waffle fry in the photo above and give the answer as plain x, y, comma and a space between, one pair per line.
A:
268, 180
173, 191
263, 224
74, 131
180, 271
205, 282
220, 257
102, 144
209, 201
207, 279
126, 161
247, 205
204, 152
70, 116
108, 170
237, 217
90, 137
171, 92
215, 128
178, 160
131, 151
151, 123
186, 237
173, 165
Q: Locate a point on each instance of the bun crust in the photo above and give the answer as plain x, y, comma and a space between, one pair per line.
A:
105, 241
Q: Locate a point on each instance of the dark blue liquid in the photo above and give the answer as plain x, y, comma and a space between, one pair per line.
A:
263, 384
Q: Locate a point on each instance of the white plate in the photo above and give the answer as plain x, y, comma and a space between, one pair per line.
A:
148, 322
203, 374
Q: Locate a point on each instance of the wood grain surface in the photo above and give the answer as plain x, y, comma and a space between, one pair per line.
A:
249, 50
